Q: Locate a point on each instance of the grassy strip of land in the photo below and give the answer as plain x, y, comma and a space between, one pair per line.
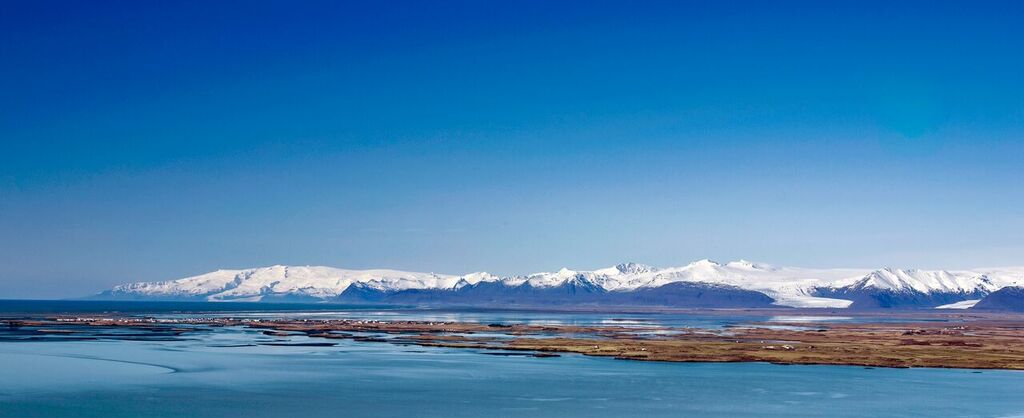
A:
980, 343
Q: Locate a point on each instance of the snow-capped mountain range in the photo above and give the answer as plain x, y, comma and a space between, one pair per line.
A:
704, 283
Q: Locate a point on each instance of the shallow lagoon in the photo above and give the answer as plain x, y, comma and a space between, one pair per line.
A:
224, 372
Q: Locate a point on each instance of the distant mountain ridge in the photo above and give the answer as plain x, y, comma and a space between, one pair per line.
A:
893, 288
1009, 298
703, 283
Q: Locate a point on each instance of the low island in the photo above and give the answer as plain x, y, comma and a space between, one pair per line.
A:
978, 341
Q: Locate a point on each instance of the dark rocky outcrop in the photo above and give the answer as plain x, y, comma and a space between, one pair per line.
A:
875, 298
1010, 298
576, 291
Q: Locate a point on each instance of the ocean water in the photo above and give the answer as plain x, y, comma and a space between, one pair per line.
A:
696, 319
225, 372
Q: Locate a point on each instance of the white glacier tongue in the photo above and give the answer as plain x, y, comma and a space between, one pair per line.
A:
964, 304
788, 286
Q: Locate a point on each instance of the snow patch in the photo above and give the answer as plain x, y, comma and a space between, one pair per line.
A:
964, 304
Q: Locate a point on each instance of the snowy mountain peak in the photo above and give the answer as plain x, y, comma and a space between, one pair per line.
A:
924, 281
788, 286
704, 263
480, 276
745, 264
633, 268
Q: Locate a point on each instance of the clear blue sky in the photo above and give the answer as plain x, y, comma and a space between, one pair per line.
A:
146, 140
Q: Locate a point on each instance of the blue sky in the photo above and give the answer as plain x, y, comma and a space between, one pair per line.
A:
154, 140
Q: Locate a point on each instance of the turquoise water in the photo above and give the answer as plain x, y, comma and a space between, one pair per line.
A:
204, 376
224, 372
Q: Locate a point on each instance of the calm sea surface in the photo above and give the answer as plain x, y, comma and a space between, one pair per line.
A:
224, 372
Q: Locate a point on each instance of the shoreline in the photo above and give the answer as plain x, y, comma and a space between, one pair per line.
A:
978, 342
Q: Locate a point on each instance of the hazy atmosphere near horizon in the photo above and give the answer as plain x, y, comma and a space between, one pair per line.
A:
147, 141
